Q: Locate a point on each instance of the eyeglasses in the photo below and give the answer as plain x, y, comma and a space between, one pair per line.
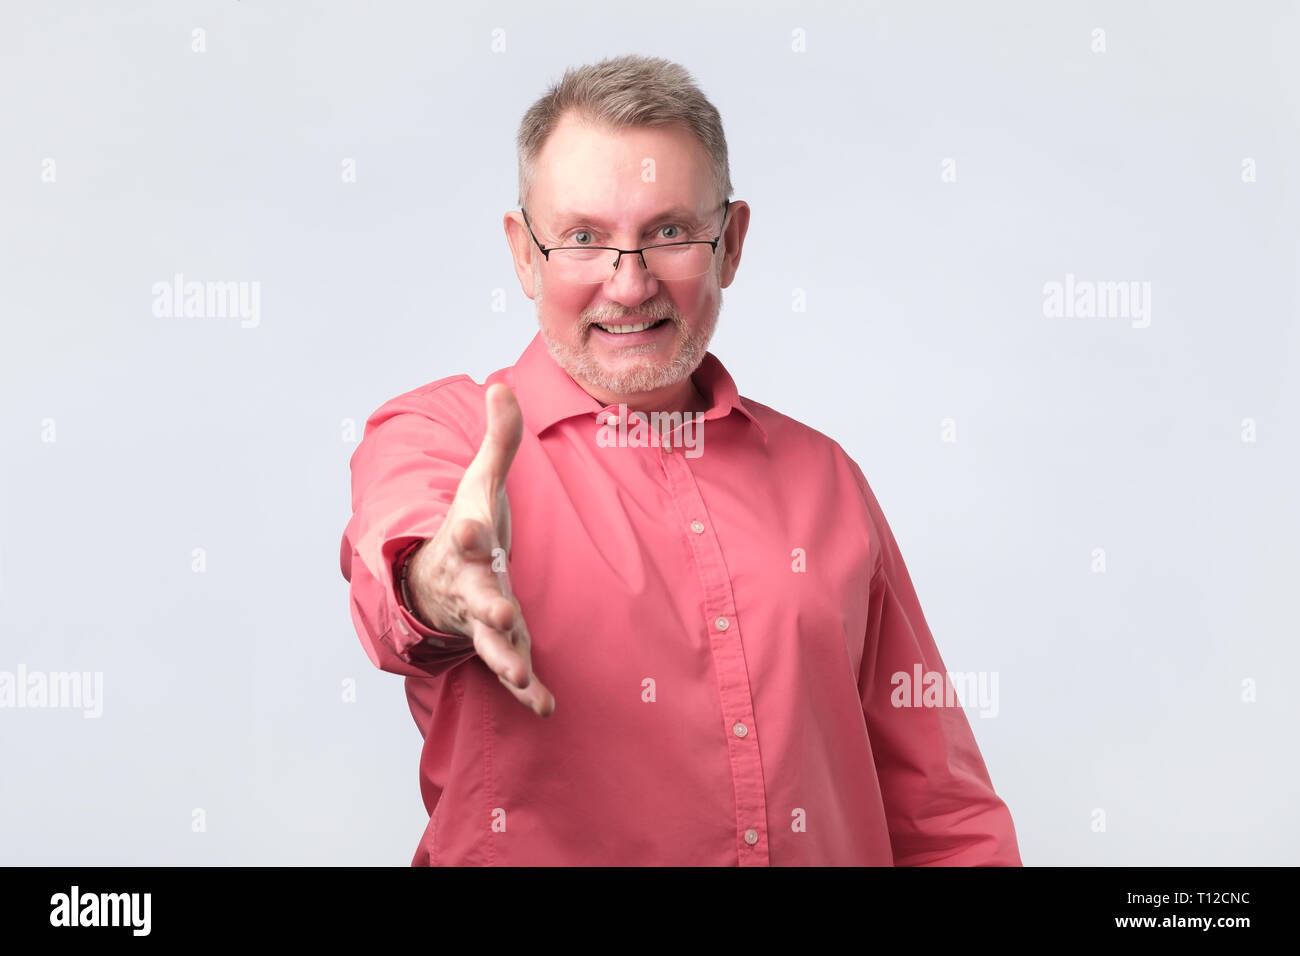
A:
669, 260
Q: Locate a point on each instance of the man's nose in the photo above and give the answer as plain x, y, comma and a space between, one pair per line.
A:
631, 283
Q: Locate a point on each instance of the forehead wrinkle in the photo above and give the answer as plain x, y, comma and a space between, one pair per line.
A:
565, 216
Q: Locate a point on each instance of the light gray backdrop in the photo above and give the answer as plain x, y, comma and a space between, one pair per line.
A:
1101, 511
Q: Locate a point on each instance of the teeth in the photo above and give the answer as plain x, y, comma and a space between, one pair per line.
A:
620, 329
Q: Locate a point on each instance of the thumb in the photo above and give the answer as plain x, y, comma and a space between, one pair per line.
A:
505, 428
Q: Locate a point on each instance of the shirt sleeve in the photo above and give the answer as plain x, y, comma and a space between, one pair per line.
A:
404, 475
939, 801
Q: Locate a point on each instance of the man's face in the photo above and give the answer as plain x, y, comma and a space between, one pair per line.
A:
591, 189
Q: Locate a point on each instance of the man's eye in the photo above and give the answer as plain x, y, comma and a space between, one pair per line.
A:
575, 238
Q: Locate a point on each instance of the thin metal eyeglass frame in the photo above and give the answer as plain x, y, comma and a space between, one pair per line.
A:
640, 253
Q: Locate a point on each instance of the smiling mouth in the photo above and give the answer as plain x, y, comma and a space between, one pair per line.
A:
634, 327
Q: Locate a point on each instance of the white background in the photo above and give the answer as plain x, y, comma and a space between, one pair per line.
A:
1120, 691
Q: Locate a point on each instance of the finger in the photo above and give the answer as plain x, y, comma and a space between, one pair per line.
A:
472, 539
475, 545
508, 656
486, 600
535, 694
499, 653
505, 428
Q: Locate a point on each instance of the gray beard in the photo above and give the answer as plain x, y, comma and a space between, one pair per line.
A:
583, 367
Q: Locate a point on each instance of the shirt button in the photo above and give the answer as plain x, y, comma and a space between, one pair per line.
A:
722, 623
740, 729
751, 837
697, 527
668, 449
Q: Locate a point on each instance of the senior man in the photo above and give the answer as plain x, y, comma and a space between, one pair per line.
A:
711, 615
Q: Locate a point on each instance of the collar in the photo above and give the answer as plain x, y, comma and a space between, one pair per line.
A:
548, 394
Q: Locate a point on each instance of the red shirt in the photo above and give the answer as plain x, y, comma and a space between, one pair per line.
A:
722, 619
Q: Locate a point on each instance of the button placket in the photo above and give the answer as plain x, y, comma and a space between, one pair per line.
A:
726, 645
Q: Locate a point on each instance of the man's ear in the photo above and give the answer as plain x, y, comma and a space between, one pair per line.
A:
521, 249
733, 240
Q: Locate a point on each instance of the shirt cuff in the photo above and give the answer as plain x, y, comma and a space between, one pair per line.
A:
411, 632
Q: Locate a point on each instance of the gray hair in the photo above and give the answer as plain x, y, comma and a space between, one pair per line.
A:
624, 92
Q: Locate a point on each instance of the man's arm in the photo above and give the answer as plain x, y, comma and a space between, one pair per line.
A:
419, 484
939, 801
405, 474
